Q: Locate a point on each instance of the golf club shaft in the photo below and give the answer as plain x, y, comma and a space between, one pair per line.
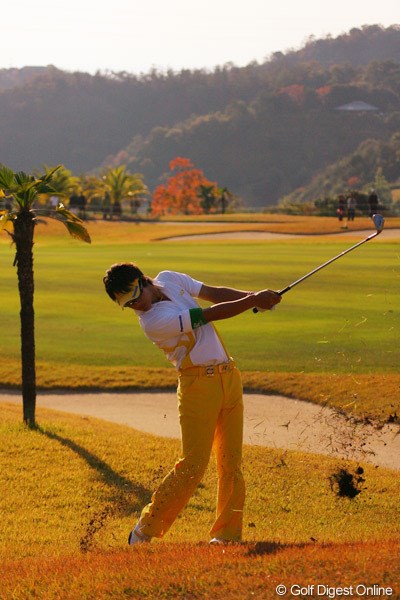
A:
325, 264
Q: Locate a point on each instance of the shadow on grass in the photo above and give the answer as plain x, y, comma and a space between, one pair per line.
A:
110, 477
126, 498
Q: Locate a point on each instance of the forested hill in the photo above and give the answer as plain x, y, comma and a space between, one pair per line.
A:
357, 47
11, 78
265, 149
263, 130
79, 119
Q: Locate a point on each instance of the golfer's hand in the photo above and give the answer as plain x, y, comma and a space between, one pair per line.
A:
267, 299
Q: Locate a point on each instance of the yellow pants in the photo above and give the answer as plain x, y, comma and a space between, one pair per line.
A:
211, 416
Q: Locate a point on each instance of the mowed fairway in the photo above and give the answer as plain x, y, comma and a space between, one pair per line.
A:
344, 320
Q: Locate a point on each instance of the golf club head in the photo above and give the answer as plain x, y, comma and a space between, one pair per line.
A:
379, 222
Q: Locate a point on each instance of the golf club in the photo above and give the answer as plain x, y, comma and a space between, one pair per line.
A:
379, 222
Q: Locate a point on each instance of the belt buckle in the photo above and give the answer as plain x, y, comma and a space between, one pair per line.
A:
210, 371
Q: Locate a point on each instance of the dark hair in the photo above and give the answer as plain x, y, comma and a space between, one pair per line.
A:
119, 277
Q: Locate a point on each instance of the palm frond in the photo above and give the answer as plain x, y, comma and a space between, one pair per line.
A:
45, 188
26, 189
21, 178
5, 219
25, 196
50, 172
6, 177
78, 231
73, 223
67, 214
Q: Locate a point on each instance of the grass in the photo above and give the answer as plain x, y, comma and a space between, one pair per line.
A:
52, 232
73, 488
184, 571
340, 327
344, 320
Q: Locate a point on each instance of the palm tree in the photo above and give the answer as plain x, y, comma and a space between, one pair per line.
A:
62, 180
121, 184
20, 216
94, 189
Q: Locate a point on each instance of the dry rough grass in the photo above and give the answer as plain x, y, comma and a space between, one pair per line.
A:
190, 571
72, 489
120, 232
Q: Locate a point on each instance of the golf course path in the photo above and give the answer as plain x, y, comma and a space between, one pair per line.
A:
272, 421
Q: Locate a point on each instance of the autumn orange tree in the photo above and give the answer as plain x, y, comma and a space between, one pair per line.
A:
181, 194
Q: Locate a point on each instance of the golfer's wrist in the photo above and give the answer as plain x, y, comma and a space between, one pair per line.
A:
252, 299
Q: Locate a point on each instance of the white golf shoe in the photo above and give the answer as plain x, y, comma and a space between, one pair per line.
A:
219, 542
135, 537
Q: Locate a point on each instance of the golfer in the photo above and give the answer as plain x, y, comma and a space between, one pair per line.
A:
209, 389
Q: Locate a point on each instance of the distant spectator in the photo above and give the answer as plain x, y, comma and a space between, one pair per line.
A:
74, 203
373, 203
341, 209
82, 202
351, 206
117, 209
54, 202
134, 205
106, 206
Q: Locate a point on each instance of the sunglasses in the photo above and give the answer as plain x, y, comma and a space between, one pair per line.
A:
130, 298
136, 293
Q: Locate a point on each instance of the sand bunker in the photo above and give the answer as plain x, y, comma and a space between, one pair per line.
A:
272, 421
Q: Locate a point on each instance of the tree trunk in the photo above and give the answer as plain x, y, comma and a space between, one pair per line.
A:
23, 237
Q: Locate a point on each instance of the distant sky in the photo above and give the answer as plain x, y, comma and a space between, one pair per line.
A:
135, 36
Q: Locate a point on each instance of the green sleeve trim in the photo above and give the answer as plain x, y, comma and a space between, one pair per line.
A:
197, 317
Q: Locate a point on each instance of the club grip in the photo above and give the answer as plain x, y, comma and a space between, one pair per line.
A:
257, 310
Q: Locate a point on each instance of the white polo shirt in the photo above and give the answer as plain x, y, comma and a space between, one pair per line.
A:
171, 326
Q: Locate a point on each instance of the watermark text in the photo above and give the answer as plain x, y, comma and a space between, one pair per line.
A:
329, 591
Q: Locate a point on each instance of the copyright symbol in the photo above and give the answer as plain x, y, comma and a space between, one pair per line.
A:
281, 590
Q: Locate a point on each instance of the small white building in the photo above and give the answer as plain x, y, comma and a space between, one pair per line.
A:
358, 106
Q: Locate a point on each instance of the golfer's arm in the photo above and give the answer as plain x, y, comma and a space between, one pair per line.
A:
225, 310
221, 294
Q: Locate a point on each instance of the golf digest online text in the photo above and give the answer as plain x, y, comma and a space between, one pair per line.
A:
328, 591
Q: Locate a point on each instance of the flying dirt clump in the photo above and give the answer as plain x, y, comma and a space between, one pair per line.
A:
346, 484
94, 525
